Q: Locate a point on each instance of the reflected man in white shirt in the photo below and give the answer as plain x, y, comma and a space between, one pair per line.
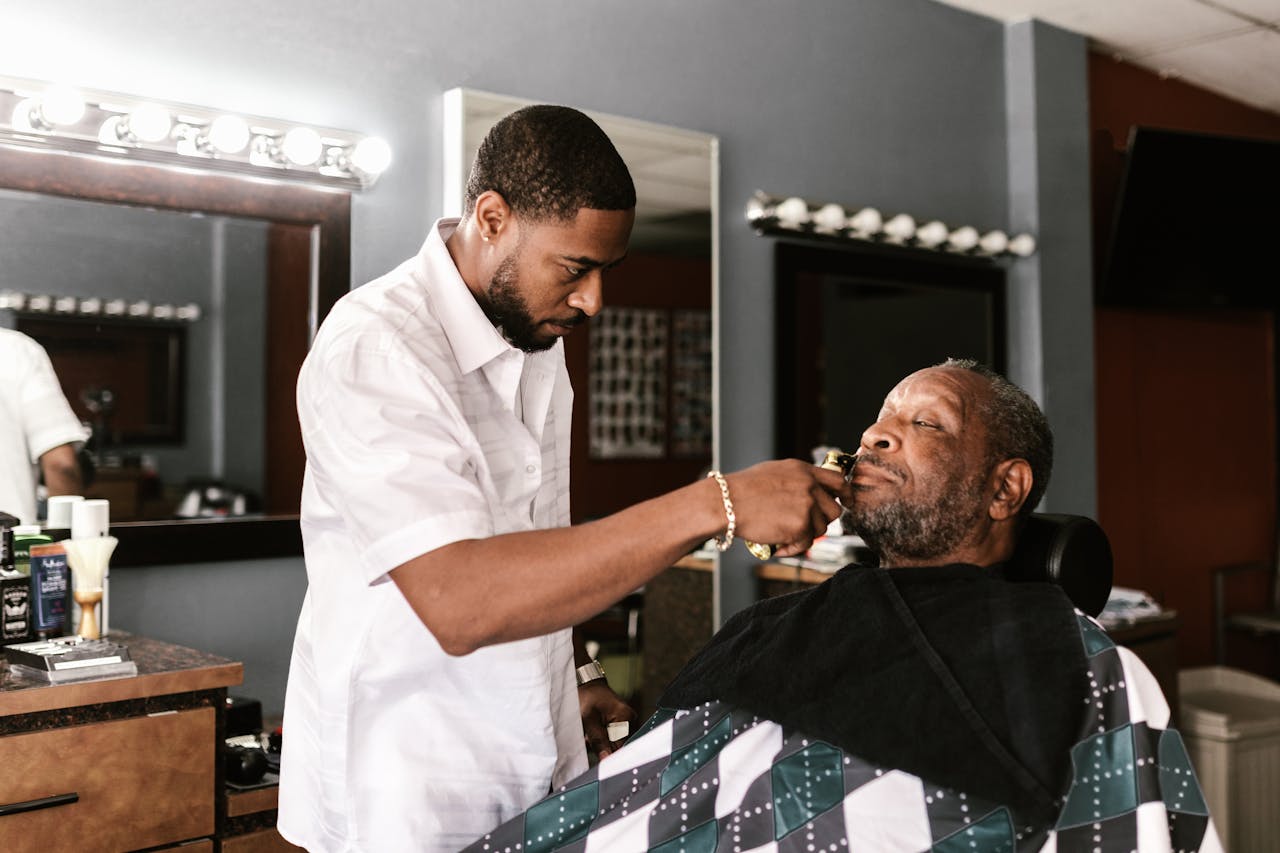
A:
432, 688
39, 434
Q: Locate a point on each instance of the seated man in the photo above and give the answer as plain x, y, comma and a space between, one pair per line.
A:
924, 704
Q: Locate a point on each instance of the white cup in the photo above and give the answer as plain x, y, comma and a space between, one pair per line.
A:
59, 511
90, 518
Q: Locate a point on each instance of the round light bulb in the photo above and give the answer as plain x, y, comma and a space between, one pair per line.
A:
963, 239
994, 242
302, 146
900, 228
62, 105
830, 217
931, 234
866, 221
149, 122
792, 213
372, 155
229, 134
1024, 245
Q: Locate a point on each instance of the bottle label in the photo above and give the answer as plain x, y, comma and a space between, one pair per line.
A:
49, 576
15, 609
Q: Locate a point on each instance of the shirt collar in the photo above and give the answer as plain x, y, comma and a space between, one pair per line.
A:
473, 338
475, 342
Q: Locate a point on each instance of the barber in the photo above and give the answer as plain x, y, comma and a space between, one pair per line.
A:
39, 434
432, 688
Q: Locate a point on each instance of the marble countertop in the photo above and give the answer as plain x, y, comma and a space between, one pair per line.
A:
163, 668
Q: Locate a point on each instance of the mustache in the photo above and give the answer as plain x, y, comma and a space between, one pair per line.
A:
870, 458
577, 319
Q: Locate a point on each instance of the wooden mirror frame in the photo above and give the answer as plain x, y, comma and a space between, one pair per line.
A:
297, 300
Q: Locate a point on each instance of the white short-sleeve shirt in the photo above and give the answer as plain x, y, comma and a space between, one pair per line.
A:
34, 418
422, 427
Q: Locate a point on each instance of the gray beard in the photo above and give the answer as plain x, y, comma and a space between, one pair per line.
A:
921, 530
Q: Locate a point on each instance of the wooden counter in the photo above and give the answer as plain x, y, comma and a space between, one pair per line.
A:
163, 669
117, 763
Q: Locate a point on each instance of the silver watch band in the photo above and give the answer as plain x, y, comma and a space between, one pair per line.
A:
590, 671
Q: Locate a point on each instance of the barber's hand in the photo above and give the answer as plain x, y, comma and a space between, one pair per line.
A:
786, 502
600, 706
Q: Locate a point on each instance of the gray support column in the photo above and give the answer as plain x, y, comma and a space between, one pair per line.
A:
1051, 293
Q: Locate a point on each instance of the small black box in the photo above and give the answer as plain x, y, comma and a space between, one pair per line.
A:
244, 716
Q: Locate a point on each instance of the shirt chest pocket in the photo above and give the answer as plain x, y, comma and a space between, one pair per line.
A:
511, 477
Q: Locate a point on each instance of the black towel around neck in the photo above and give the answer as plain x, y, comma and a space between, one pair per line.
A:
950, 673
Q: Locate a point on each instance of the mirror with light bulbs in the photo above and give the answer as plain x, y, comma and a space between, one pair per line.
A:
298, 267
42, 116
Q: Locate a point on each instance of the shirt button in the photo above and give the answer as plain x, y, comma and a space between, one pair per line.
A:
531, 469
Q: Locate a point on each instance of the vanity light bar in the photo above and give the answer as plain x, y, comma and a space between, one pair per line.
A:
51, 117
768, 213
94, 306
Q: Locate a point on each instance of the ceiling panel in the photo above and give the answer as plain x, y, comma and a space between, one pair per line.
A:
1228, 46
1140, 27
1247, 64
1262, 10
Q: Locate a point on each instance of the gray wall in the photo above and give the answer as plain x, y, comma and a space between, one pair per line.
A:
243, 611
903, 105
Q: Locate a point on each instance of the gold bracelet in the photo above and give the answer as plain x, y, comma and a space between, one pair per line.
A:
723, 542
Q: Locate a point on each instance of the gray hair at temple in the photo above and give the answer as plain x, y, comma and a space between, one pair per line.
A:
1016, 429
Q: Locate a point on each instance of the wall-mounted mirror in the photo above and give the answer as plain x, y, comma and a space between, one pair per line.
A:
851, 321
643, 371
263, 261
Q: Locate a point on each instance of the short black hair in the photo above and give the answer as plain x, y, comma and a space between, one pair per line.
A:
548, 162
1016, 429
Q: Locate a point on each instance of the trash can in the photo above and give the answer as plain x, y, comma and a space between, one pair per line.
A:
1231, 725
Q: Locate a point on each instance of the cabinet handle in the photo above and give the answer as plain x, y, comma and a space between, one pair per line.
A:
42, 803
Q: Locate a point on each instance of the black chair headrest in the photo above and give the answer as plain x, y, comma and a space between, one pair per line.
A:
1069, 550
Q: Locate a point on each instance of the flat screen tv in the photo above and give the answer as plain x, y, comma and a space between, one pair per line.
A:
1197, 223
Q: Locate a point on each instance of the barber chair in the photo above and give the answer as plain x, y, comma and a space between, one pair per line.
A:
1069, 550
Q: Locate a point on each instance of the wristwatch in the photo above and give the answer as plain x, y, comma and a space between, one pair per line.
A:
588, 672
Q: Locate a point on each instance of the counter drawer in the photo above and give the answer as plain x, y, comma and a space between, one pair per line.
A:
138, 782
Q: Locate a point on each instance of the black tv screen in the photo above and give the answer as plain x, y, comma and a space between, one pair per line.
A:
1197, 223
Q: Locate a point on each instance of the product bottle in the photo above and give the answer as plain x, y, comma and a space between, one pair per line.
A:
7, 523
24, 536
50, 590
15, 589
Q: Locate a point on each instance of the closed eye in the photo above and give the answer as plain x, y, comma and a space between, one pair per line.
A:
927, 424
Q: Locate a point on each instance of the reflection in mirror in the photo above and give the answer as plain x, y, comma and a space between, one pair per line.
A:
304, 268
852, 323
176, 405
642, 373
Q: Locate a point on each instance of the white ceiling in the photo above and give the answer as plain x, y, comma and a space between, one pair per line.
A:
1229, 46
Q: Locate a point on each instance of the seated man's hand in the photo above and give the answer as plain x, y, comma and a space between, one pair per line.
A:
600, 706
786, 502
